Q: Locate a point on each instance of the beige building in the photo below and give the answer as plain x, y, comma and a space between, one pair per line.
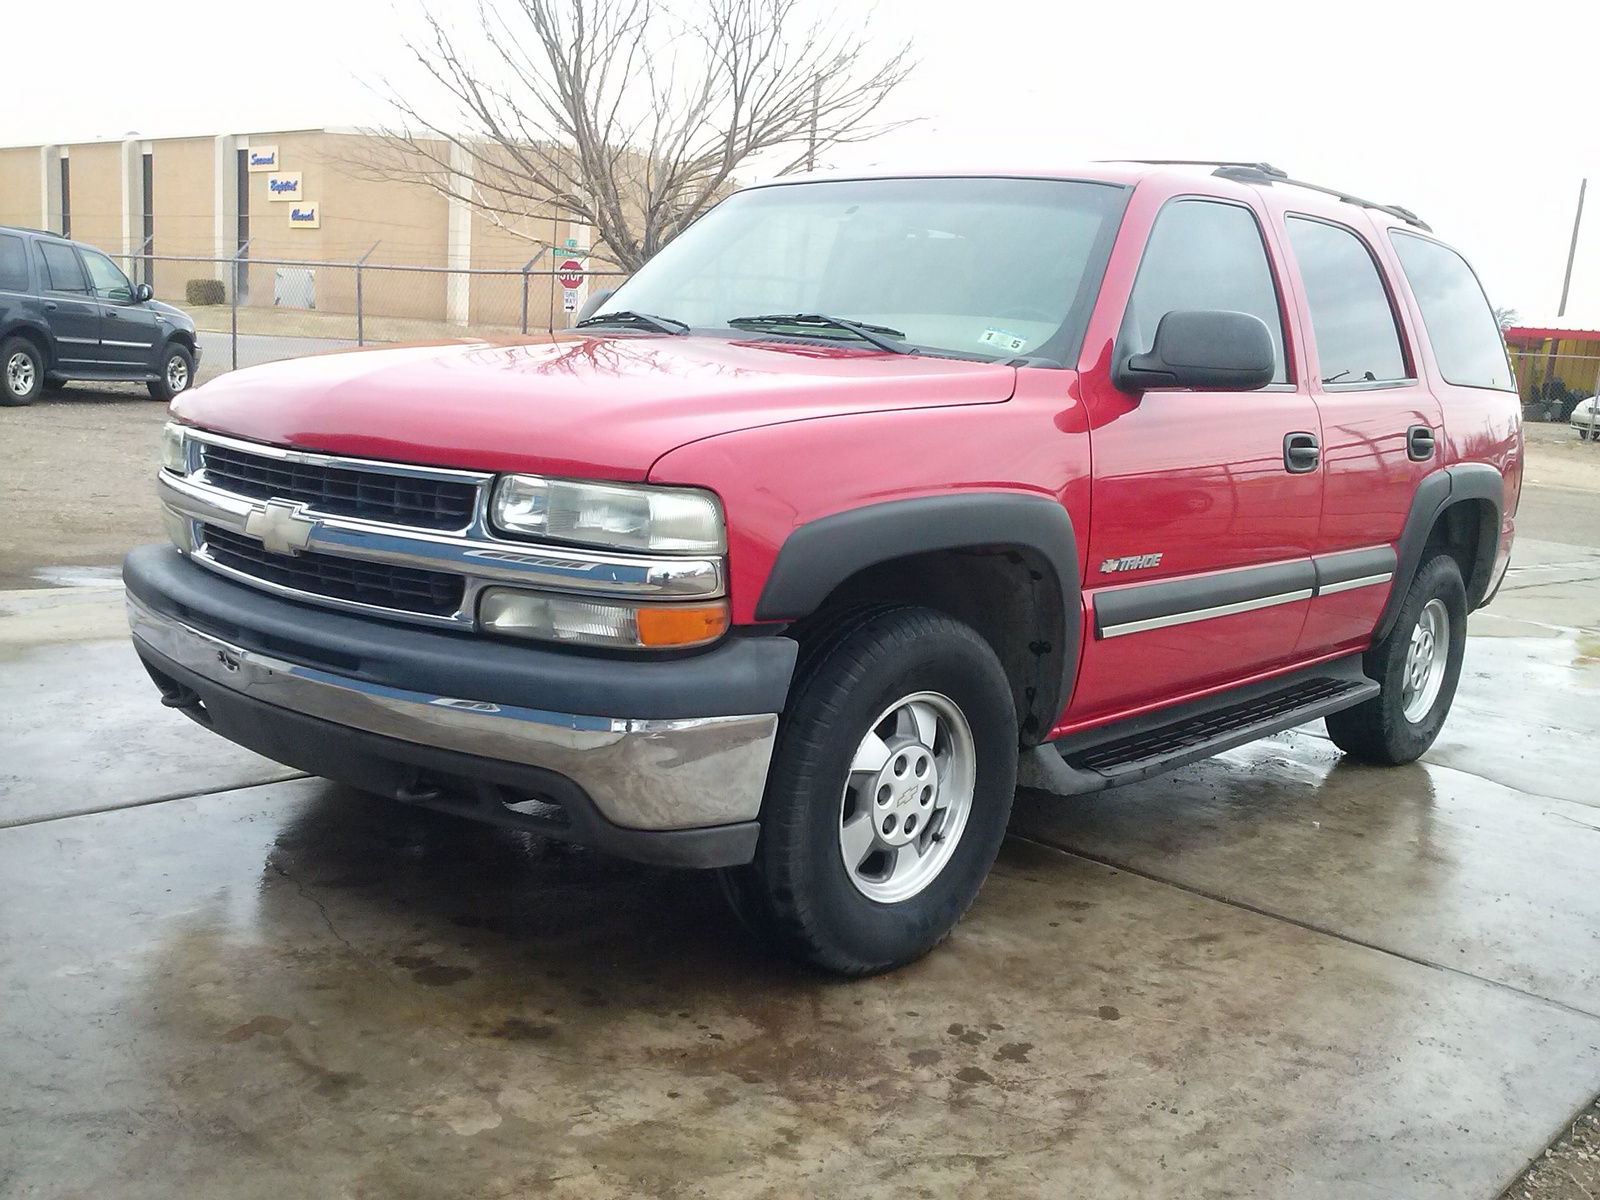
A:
165, 206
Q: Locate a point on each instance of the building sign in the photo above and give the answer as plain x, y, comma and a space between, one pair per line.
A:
262, 158
306, 215
284, 185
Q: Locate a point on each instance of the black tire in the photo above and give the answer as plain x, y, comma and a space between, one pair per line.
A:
176, 367
21, 372
798, 890
1379, 731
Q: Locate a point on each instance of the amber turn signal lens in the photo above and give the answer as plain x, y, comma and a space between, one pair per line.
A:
680, 626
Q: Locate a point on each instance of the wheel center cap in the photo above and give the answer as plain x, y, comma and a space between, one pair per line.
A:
904, 793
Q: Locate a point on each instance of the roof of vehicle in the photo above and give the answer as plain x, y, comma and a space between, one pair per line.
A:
1215, 176
35, 232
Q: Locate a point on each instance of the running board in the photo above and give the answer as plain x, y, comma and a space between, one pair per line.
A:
1132, 750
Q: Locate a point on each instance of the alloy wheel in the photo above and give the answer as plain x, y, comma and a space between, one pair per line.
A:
908, 797
1426, 659
19, 374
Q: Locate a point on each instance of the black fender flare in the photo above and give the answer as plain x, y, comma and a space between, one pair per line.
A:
1437, 492
37, 334
820, 555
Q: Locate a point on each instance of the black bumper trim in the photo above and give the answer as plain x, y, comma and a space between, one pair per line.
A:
742, 675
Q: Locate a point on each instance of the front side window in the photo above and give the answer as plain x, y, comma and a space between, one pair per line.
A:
106, 277
1465, 337
974, 267
13, 263
62, 271
1351, 319
1204, 255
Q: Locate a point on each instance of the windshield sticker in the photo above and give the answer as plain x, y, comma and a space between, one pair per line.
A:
1003, 339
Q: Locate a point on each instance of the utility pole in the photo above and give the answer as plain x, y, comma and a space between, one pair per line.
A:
811, 142
1572, 250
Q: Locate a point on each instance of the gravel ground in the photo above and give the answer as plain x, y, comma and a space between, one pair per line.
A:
1570, 1169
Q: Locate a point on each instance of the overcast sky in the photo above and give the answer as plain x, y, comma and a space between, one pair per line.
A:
1482, 120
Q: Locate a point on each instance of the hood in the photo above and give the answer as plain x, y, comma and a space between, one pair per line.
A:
605, 407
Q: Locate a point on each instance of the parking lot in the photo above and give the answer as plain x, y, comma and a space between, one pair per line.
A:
1270, 974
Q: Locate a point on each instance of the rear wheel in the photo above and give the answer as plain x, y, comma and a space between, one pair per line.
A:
888, 796
175, 372
21, 372
1417, 667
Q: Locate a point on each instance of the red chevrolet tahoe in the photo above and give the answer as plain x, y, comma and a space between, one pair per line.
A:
775, 562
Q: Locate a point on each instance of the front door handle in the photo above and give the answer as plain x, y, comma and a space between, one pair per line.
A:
51, 306
1301, 453
1419, 443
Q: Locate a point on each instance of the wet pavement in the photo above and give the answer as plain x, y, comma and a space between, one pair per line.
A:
1270, 974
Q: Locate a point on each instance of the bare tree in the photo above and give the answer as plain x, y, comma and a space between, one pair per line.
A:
625, 116
1506, 318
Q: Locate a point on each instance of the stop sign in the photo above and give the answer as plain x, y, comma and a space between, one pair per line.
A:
570, 273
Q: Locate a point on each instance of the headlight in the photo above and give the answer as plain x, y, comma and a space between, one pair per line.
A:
601, 622
619, 516
175, 448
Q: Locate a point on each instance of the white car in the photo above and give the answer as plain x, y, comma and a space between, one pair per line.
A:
1586, 418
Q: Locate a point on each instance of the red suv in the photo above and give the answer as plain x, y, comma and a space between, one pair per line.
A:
857, 488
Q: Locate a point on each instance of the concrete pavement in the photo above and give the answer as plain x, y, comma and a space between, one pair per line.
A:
1271, 974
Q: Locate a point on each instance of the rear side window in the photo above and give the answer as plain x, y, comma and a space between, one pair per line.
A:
13, 263
1204, 255
1461, 326
1350, 314
62, 270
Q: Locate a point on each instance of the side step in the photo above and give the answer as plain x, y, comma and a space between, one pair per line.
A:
1132, 750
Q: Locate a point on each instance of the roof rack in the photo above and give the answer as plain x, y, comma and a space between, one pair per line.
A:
1266, 175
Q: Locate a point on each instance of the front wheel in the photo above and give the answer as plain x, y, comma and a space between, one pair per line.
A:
1417, 666
175, 373
888, 795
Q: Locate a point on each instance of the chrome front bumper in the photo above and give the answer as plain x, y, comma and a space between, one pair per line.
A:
640, 774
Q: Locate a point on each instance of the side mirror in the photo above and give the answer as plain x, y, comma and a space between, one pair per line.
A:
593, 303
1229, 351
143, 292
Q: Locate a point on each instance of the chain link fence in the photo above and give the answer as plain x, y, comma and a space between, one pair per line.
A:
1553, 384
252, 310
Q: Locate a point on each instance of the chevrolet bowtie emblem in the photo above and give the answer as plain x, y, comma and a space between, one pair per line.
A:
282, 527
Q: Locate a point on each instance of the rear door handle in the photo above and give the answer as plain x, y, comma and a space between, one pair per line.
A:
1301, 453
1419, 443
51, 306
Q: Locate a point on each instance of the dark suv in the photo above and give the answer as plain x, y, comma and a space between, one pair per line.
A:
68, 312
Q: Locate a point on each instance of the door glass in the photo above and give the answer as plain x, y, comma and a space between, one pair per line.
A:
1350, 314
1204, 255
13, 263
1461, 327
62, 271
108, 280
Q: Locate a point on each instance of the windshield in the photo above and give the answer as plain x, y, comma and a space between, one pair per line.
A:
989, 268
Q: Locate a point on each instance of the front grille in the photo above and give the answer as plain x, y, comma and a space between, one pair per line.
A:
342, 491
432, 593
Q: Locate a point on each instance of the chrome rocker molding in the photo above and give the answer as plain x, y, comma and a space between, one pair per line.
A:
641, 775
191, 502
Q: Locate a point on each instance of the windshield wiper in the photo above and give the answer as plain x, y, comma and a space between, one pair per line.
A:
629, 317
878, 335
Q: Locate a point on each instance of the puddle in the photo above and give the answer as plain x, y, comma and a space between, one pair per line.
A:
79, 576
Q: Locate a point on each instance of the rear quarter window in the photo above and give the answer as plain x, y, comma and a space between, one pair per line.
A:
13, 263
1461, 327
